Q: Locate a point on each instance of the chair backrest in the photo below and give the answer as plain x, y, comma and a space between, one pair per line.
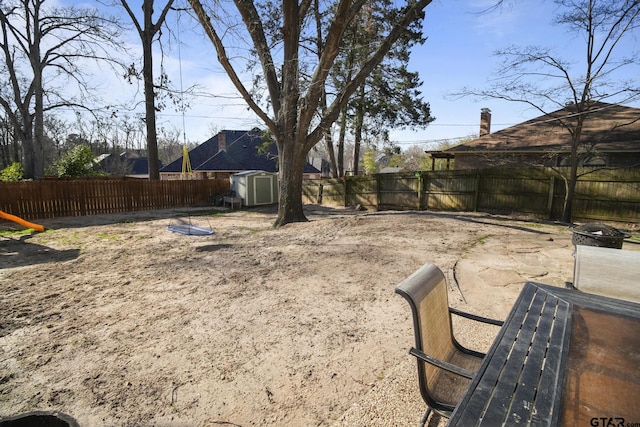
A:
609, 272
426, 292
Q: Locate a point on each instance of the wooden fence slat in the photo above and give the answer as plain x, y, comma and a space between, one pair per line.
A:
600, 195
34, 200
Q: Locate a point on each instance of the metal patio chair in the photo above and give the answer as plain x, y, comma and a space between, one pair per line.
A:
445, 368
607, 271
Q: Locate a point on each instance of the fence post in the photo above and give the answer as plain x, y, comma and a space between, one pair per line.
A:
552, 190
419, 185
84, 200
346, 191
426, 186
378, 192
476, 193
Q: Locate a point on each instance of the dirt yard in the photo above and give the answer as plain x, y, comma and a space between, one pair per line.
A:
117, 321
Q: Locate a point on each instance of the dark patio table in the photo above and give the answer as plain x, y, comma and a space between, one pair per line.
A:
563, 357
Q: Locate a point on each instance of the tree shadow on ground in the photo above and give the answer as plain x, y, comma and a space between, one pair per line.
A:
481, 218
212, 248
17, 252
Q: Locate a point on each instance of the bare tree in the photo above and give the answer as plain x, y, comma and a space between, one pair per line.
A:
43, 49
9, 149
543, 79
171, 144
296, 119
415, 159
148, 30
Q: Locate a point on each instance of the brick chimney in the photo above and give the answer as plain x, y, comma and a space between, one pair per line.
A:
485, 121
222, 141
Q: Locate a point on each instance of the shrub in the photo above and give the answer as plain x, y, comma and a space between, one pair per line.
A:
13, 172
77, 163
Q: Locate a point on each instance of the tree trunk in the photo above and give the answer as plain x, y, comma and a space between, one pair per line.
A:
28, 162
38, 129
149, 93
5, 144
17, 155
568, 199
567, 212
356, 150
328, 143
358, 130
341, 137
38, 142
33, 158
291, 169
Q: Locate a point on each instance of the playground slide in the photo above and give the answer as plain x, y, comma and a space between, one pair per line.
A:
21, 221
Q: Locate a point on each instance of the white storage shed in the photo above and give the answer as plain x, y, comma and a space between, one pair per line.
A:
255, 187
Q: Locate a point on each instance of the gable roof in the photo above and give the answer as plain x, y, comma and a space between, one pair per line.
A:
140, 165
609, 127
242, 153
126, 163
232, 151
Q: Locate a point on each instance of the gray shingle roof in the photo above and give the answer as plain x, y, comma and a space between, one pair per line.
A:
240, 153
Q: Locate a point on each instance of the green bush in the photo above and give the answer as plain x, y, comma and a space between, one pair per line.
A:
77, 163
369, 161
13, 172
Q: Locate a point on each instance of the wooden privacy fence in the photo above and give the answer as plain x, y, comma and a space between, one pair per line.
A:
612, 195
53, 199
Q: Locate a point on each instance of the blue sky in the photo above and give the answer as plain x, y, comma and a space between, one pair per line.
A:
458, 53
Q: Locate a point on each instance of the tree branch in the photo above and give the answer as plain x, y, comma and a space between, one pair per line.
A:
253, 23
411, 14
224, 61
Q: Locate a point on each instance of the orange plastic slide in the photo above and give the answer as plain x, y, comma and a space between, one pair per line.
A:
21, 221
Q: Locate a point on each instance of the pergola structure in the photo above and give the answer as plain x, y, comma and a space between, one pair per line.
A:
440, 155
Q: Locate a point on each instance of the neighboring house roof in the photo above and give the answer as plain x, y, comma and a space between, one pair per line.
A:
126, 163
140, 166
393, 169
608, 128
251, 173
232, 151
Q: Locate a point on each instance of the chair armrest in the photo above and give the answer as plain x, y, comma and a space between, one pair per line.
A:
475, 317
441, 364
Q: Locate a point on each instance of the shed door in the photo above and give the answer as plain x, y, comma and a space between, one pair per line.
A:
263, 190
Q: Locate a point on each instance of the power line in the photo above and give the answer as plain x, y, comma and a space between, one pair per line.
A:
467, 125
432, 141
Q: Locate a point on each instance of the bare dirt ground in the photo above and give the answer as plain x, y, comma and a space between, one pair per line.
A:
118, 322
